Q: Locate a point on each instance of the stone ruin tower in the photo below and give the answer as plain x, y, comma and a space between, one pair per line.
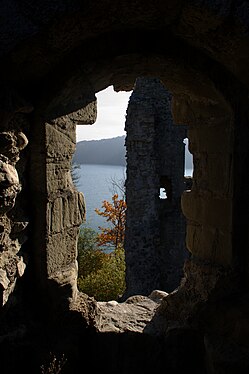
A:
155, 226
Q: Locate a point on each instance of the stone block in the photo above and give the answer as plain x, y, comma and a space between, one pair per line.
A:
207, 210
61, 250
220, 172
84, 116
58, 177
210, 139
213, 172
190, 206
56, 212
209, 244
58, 145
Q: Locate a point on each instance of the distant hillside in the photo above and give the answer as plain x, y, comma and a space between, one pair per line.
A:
107, 152
103, 152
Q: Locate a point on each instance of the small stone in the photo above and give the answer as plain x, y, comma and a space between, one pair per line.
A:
157, 295
112, 303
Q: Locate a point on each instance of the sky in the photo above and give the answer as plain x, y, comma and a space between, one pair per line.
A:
111, 111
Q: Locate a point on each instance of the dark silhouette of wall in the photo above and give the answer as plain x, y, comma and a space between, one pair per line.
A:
155, 227
55, 56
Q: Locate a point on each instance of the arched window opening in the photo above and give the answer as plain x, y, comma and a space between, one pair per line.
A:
124, 165
162, 193
188, 167
100, 166
54, 60
165, 188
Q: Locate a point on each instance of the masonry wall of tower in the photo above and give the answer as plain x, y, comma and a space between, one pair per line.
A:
155, 228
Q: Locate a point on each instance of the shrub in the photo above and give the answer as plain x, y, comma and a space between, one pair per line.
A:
106, 282
90, 257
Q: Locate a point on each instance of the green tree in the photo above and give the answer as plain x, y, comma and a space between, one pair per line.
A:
90, 256
102, 274
108, 282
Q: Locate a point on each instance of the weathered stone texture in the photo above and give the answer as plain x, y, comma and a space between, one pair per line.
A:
132, 315
65, 205
155, 227
13, 219
208, 206
58, 54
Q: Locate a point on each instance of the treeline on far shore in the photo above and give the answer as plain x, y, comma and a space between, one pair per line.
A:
108, 152
103, 152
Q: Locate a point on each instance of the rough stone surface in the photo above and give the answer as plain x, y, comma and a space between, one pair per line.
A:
155, 227
64, 207
55, 56
13, 222
133, 315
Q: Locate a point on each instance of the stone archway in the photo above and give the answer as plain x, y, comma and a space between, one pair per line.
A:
195, 98
203, 60
198, 104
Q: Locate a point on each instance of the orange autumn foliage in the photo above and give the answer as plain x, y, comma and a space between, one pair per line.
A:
114, 212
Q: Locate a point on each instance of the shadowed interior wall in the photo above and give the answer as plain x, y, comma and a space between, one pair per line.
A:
55, 56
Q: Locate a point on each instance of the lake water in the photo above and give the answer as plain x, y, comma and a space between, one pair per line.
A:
95, 181
96, 184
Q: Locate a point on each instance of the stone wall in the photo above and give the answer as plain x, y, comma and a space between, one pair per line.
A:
62, 208
155, 227
57, 55
14, 210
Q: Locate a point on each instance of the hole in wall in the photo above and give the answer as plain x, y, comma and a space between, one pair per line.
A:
92, 169
101, 165
100, 152
165, 188
188, 166
162, 193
